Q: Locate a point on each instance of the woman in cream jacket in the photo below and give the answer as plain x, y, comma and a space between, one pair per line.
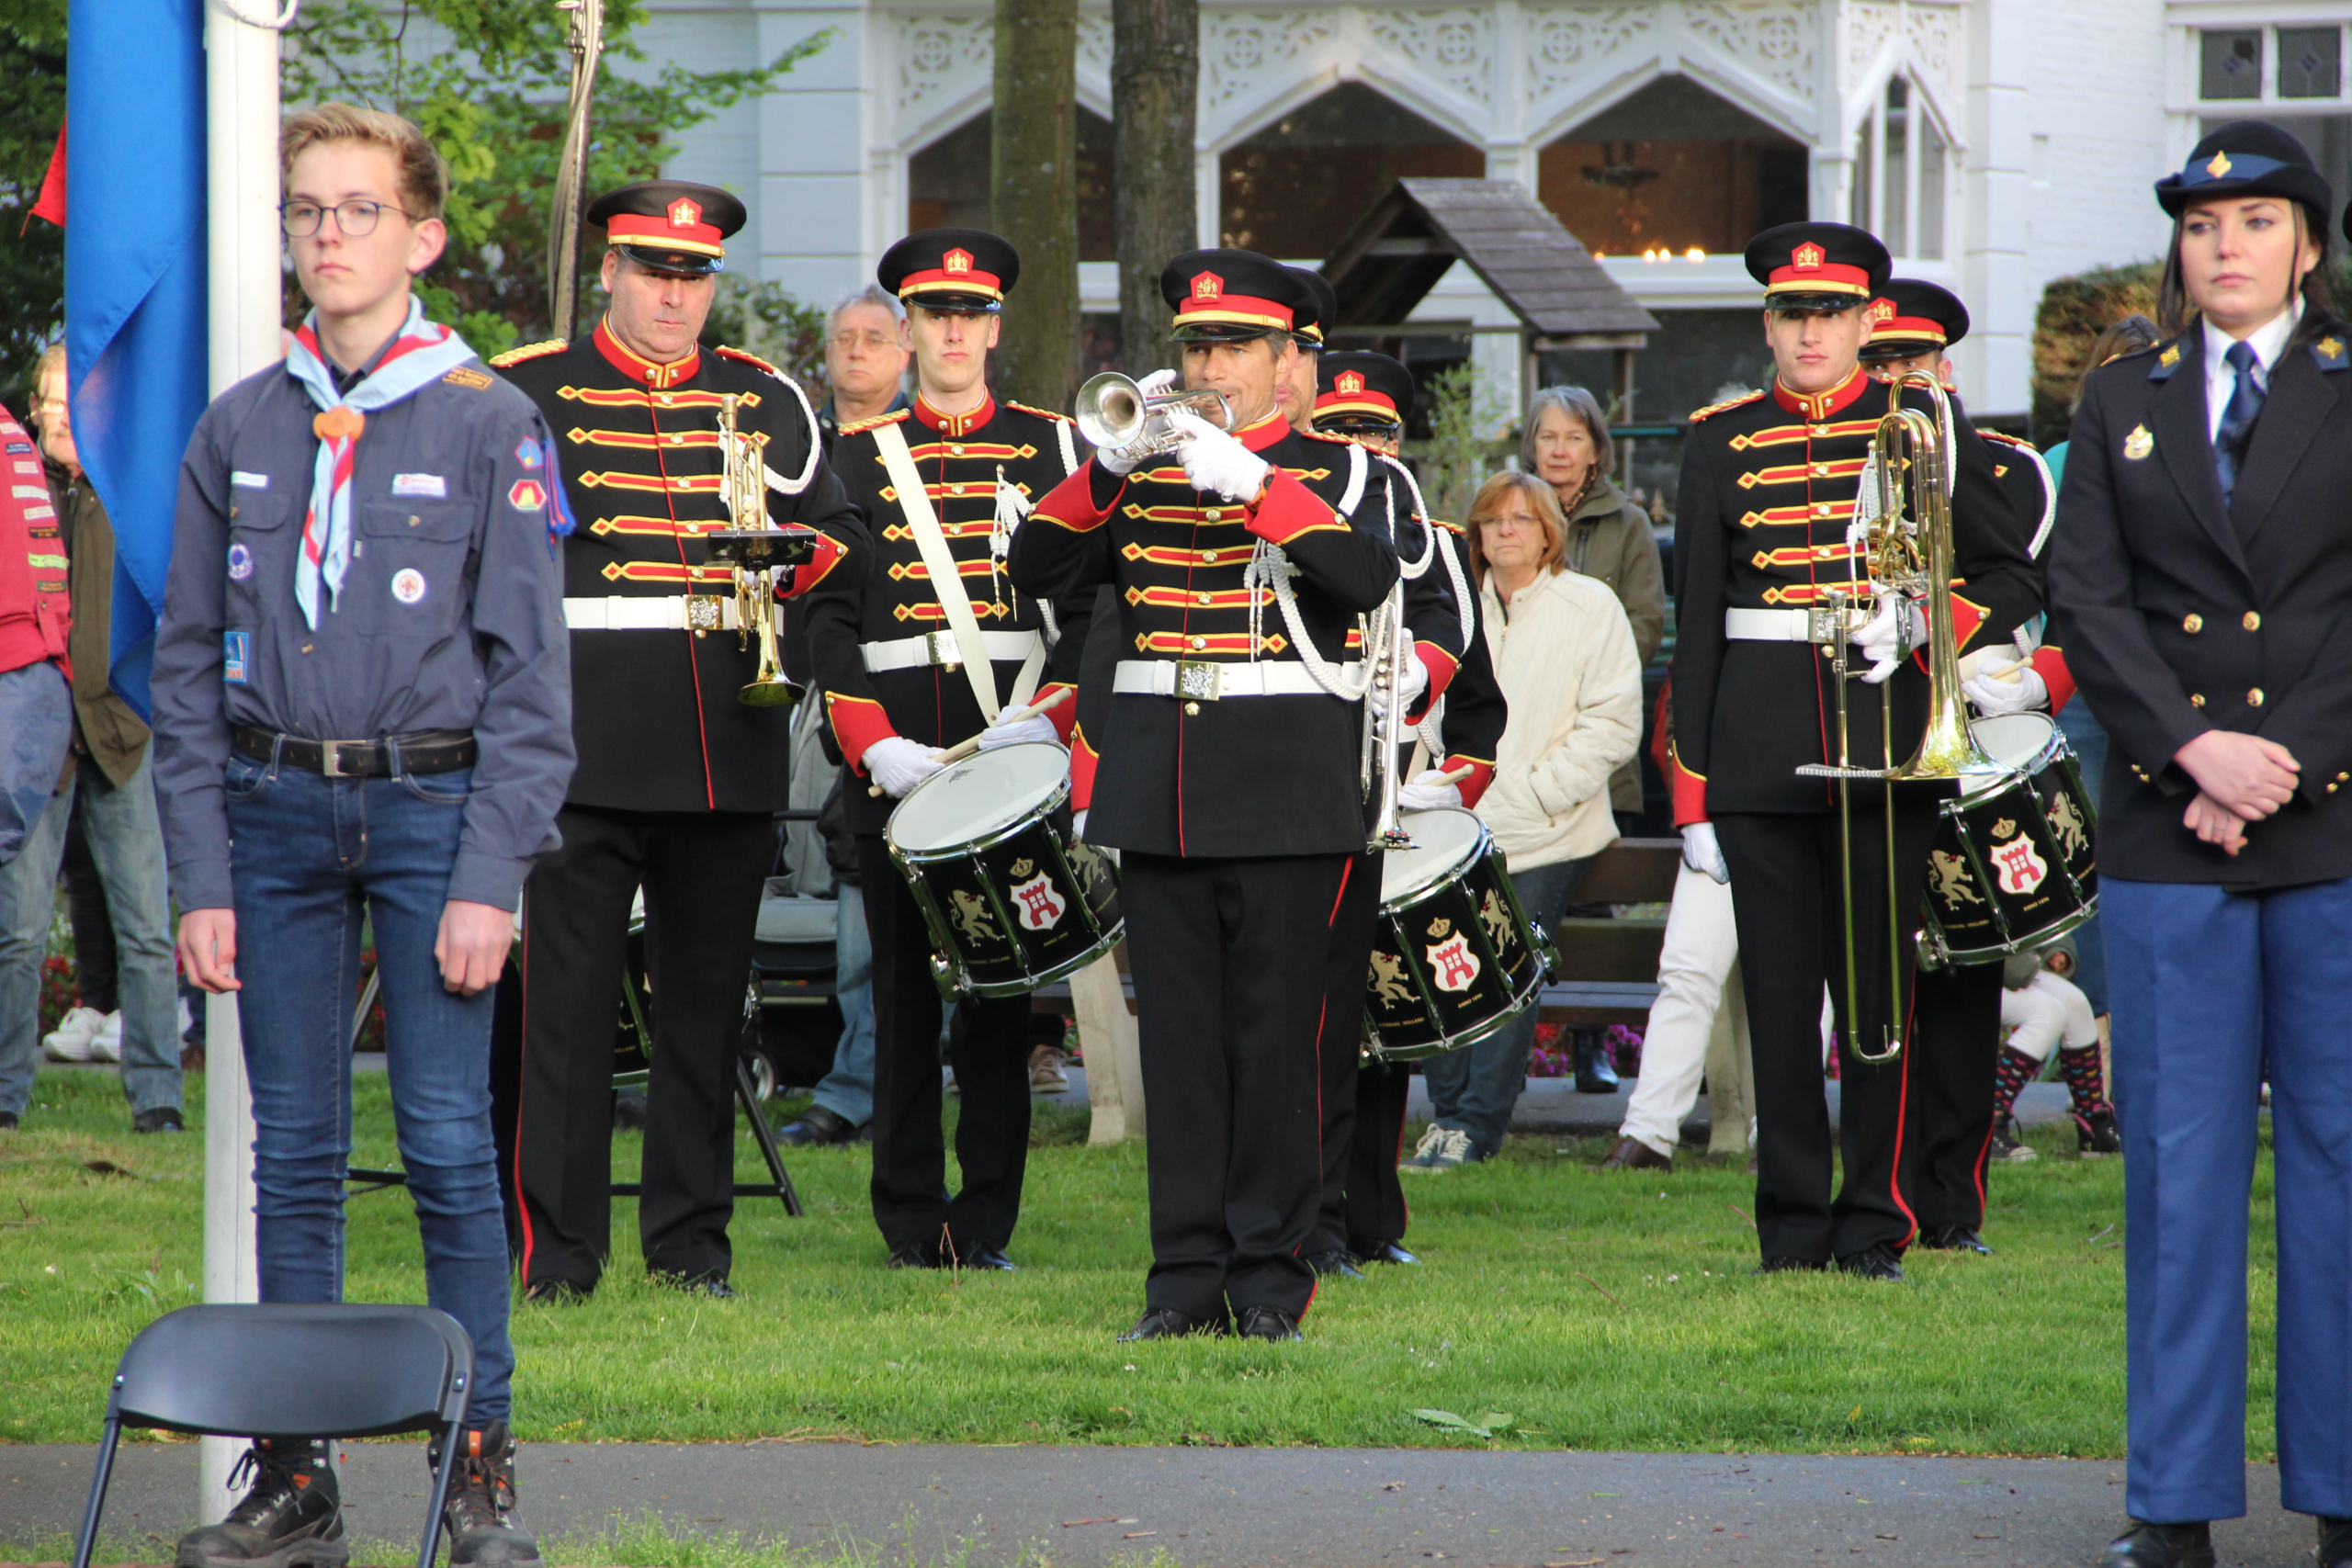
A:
1564, 652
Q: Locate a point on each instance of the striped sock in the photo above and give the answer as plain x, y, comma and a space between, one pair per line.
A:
2010, 1074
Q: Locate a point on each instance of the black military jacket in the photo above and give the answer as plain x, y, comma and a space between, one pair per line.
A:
1471, 722
2025, 480
654, 713
1768, 488
1235, 776
2179, 614
888, 601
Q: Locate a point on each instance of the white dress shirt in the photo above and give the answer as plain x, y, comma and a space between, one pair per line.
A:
2270, 341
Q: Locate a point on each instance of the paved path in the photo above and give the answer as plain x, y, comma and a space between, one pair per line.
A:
925, 1505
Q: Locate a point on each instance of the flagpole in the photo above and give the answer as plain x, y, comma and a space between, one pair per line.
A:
242, 117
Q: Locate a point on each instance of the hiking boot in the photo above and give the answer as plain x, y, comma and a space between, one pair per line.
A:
2009, 1142
2095, 1134
1441, 1149
479, 1519
293, 1514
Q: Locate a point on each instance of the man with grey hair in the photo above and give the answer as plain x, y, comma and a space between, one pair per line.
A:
866, 360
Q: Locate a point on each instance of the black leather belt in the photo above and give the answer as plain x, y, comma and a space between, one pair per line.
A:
424, 751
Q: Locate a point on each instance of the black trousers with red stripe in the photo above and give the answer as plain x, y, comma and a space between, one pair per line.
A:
1788, 903
1347, 959
702, 872
1956, 1046
1231, 958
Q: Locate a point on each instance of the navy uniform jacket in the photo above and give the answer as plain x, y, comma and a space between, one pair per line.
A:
449, 506
885, 602
657, 723
1768, 488
2179, 616
1238, 776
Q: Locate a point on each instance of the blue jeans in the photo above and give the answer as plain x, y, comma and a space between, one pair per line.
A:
2213, 990
127, 841
848, 1089
309, 855
2089, 738
1474, 1089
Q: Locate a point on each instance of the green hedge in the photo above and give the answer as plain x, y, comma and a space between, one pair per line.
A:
2074, 311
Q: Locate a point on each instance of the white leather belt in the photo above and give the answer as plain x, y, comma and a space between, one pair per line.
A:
939, 649
653, 613
1788, 626
1208, 680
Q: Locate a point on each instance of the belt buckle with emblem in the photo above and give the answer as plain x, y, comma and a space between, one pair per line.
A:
1198, 680
1826, 624
705, 613
939, 648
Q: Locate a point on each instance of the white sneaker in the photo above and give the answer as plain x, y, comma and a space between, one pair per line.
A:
105, 1045
1441, 1149
69, 1041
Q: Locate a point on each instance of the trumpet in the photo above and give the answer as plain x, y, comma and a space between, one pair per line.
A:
753, 548
1115, 414
1904, 552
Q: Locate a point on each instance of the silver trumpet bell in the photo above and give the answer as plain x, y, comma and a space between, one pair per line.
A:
1115, 414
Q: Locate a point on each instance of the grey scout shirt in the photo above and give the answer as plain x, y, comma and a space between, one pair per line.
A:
450, 616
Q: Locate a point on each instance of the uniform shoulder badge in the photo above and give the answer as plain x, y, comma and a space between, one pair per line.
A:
2006, 439
1728, 403
893, 417
467, 376
748, 358
2167, 360
539, 350
2329, 352
1326, 436
1041, 413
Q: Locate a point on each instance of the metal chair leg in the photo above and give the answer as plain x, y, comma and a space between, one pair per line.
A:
441, 1475
89, 1536
749, 1094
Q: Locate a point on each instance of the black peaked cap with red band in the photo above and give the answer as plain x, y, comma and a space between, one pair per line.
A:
1357, 387
1908, 316
1233, 296
1314, 327
951, 269
669, 225
1818, 267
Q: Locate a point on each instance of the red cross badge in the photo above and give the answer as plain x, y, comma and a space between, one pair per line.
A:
1806, 258
684, 214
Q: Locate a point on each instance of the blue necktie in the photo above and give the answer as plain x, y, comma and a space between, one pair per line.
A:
2237, 420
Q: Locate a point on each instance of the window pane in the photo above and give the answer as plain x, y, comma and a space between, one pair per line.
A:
1933, 156
2231, 66
1897, 232
2308, 62
1860, 215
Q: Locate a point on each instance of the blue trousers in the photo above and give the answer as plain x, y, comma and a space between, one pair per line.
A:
848, 1089
2212, 990
1475, 1089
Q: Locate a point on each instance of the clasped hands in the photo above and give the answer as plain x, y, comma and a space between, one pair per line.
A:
2240, 779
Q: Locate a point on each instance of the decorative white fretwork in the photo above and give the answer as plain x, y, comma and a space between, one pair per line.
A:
1773, 38
1454, 47
936, 54
1243, 51
1933, 34
1571, 47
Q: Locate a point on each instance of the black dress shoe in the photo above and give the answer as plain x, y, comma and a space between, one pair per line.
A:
1167, 1323
2160, 1546
1632, 1153
1268, 1323
1334, 1265
556, 1292
161, 1119
2334, 1543
918, 1254
985, 1256
817, 1125
1595, 1073
1367, 1250
1881, 1263
1791, 1266
1952, 1238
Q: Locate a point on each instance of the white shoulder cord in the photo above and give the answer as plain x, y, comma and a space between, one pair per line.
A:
807, 469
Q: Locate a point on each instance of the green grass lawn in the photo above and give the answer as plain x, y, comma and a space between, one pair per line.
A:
1596, 1312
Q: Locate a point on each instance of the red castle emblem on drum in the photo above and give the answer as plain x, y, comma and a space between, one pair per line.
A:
1451, 964
2018, 866
1037, 905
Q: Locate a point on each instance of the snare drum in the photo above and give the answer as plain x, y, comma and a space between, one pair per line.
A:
2012, 868
1452, 958
1012, 900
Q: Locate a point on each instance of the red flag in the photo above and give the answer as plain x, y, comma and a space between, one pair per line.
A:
51, 204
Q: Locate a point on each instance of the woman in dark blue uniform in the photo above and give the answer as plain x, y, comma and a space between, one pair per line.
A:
2202, 583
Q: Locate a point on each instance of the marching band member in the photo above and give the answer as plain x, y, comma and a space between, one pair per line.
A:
1228, 782
2202, 583
677, 780
1767, 487
947, 479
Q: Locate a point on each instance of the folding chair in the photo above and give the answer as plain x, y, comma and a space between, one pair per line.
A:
299, 1374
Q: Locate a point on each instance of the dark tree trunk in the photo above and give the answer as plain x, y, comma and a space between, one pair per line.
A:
1032, 194
1155, 86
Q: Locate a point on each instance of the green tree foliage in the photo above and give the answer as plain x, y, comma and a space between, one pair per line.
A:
32, 252
781, 330
487, 81
2073, 312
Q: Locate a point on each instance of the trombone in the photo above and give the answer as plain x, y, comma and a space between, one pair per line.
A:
1384, 733
1115, 414
1909, 555
752, 548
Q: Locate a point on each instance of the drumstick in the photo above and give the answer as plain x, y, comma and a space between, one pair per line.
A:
1455, 777
971, 743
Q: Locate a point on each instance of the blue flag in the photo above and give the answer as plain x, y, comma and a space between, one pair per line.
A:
136, 323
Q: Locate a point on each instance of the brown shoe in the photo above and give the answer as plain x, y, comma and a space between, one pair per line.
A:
1632, 1153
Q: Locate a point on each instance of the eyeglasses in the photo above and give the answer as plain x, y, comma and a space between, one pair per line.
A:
354, 220
875, 340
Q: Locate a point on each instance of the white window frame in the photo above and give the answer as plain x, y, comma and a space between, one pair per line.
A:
2193, 40
1923, 111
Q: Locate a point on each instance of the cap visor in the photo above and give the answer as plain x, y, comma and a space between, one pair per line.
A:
1807, 300
1223, 331
952, 300
685, 264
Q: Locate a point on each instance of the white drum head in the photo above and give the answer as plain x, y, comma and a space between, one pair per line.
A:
979, 796
2014, 739
1443, 840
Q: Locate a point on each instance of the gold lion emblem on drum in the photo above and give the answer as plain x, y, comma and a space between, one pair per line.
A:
1496, 920
1388, 983
2073, 837
1952, 885
972, 918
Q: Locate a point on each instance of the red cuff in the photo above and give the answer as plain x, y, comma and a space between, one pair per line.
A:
1288, 509
2050, 663
1064, 714
831, 553
857, 724
1481, 775
1965, 619
1071, 504
1082, 763
1689, 791
1440, 666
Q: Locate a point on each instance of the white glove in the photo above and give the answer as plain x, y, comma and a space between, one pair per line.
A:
1888, 636
1428, 791
1217, 462
1416, 681
2006, 688
898, 764
1119, 459
1702, 855
1017, 725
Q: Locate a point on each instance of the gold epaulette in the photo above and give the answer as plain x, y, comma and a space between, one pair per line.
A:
1718, 407
891, 418
1041, 413
1453, 528
538, 350
1334, 440
748, 358
2008, 440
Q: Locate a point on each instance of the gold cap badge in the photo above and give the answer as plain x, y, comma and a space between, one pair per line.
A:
956, 262
1348, 383
1207, 286
1806, 258
683, 214
2219, 166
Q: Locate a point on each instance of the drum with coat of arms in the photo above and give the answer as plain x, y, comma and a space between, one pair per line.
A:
2013, 867
1454, 958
